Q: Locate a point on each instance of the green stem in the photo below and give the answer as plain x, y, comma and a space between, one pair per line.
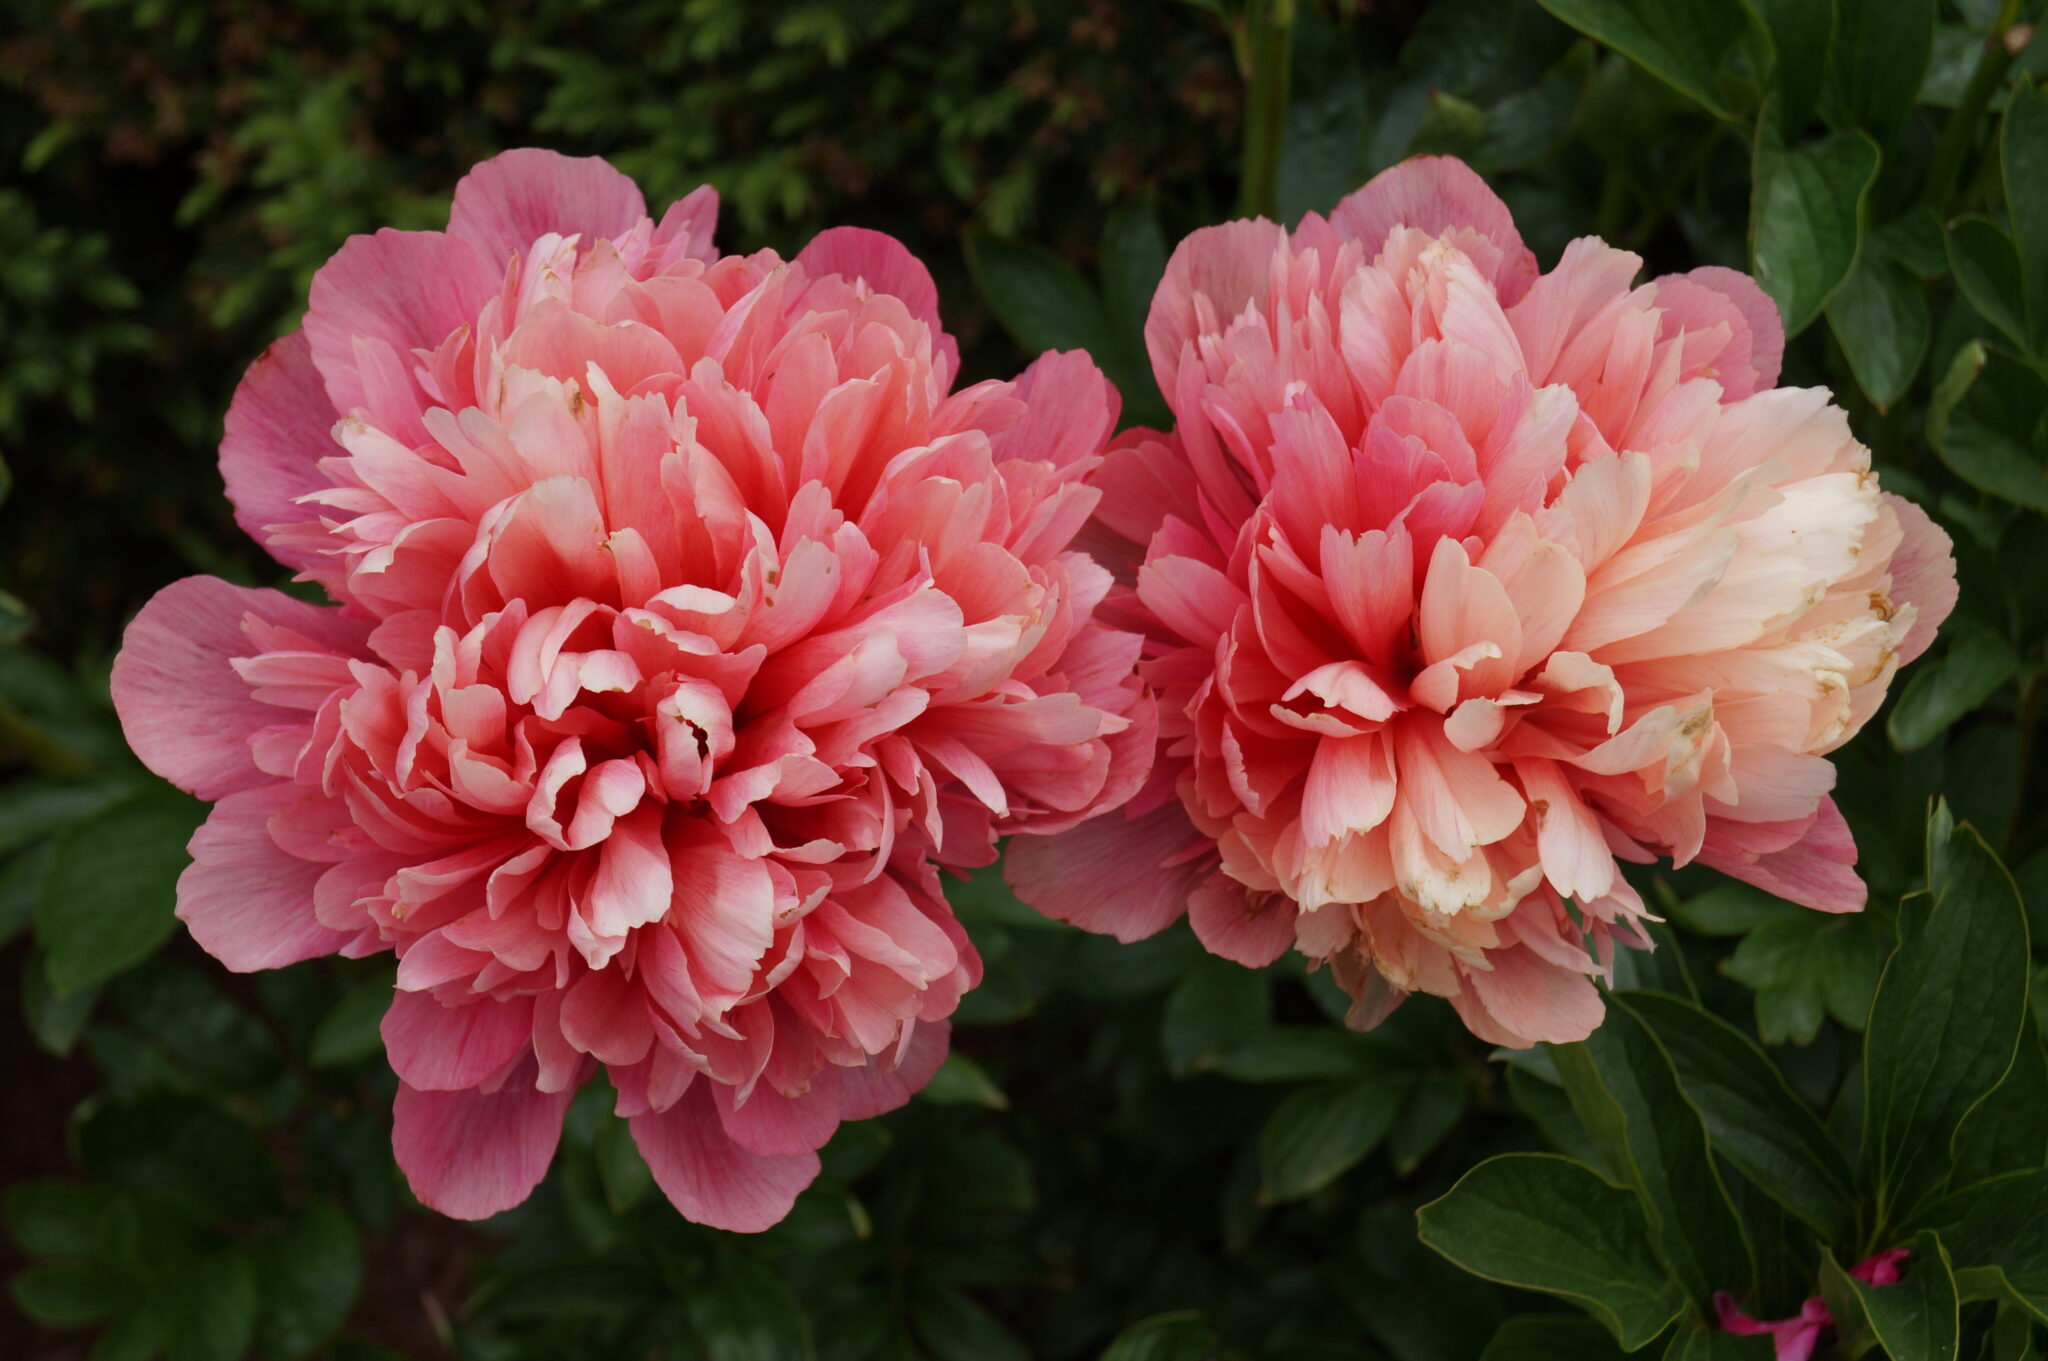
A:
1961, 132
1269, 48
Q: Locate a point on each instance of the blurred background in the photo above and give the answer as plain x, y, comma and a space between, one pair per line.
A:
199, 1162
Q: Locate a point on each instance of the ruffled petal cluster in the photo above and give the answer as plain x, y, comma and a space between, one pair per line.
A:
1463, 581
687, 620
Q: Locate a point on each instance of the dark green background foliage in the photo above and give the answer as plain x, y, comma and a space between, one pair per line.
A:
1138, 1153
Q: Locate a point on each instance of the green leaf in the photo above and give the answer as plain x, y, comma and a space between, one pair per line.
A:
1987, 269
214, 1314
1915, 240
1752, 1117
1217, 1002
1681, 42
1550, 1337
961, 1081
1133, 260
1165, 1337
310, 1274
54, 1218
1881, 52
67, 1294
112, 883
1810, 965
621, 1170
1985, 422
1801, 34
1321, 1132
2009, 1131
1291, 1054
2023, 162
1879, 316
55, 1018
1627, 1094
955, 1328
185, 1153
1710, 1344
348, 1034
1427, 1118
1045, 304
1978, 662
1806, 218
744, 1312
1542, 1222
1915, 1319
2005, 1237
1946, 1019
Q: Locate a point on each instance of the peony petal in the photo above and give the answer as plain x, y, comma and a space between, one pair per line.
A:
441, 1048
509, 202
1435, 194
708, 1176
1923, 575
247, 901
471, 1154
279, 426
184, 710
1122, 876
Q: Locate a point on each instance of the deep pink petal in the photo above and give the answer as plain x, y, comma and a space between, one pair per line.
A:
247, 901
708, 1176
1252, 929
279, 426
184, 710
471, 1154
440, 1048
1120, 876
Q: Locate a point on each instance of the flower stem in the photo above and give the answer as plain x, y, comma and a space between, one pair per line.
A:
1268, 50
1961, 129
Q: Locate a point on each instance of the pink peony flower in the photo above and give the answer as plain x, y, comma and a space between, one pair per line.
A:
1462, 581
686, 620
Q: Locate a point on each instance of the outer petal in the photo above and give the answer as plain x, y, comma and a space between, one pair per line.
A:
1923, 575
246, 901
708, 1176
184, 710
881, 1086
1760, 328
1435, 194
471, 1154
512, 200
1230, 923
402, 290
887, 266
449, 1048
1229, 265
1124, 877
278, 428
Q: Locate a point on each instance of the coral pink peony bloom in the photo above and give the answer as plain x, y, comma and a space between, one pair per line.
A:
686, 620
1463, 581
